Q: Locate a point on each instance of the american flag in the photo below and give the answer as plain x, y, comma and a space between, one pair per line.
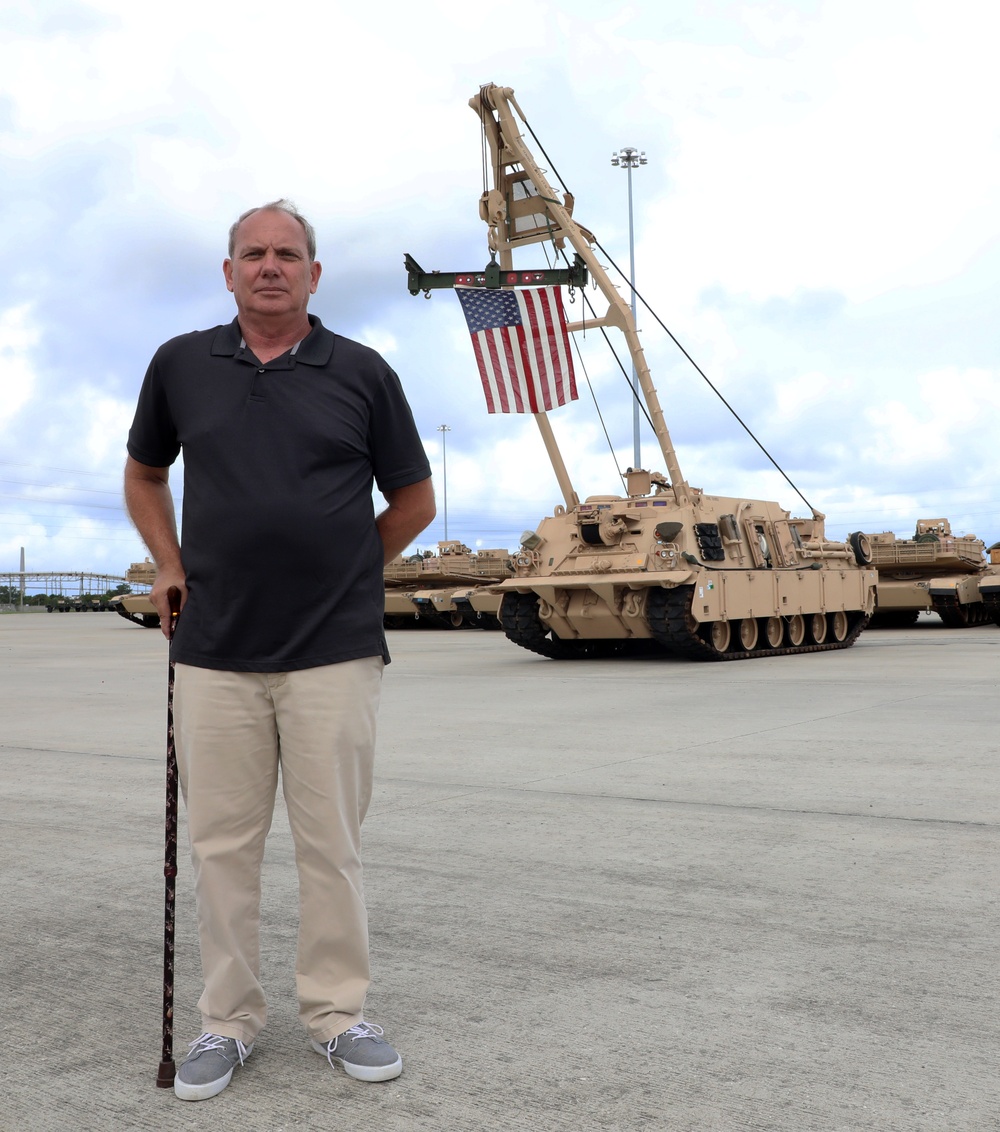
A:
522, 347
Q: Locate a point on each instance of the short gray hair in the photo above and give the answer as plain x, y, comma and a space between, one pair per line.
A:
282, 205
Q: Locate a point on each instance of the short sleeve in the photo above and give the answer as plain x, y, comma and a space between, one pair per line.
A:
152, 439
397, 453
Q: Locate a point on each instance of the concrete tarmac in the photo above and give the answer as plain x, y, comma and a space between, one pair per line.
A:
613, 894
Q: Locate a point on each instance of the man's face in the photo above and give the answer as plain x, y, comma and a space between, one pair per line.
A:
270, 273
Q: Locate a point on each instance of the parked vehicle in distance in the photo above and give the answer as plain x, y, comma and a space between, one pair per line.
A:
934, 571
435, 590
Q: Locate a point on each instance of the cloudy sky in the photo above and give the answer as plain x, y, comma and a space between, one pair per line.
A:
817, 224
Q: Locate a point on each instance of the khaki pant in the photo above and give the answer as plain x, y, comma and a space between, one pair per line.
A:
233, 730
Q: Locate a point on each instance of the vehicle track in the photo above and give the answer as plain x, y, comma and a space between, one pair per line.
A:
668, 614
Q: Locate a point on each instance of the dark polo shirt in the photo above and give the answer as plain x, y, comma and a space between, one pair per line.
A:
278, 537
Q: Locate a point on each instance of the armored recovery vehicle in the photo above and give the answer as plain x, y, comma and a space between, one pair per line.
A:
711, 577
934, 571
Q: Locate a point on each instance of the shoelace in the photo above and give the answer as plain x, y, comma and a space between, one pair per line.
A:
357, 1031
207, 1042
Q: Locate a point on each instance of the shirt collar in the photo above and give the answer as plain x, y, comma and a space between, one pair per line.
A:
314, 350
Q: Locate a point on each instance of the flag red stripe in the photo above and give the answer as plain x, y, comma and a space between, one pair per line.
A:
477, 347
508, 369
497, 367
521, 343
536, 363
552, 342
553, 367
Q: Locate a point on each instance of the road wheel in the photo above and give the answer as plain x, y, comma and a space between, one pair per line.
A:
839, 625
748, 633
718, 635
817, 628
795, 629
774, 632
955, 616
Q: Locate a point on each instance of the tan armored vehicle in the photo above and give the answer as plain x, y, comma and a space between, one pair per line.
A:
137, 607
989, 585
400, 612
435, 589
934, 571
714, 577
141, 573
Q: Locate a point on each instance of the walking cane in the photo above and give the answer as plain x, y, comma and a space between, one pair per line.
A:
165, 1075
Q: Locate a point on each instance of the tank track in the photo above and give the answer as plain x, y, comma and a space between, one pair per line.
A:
668, 613
991, 603
958, 616
519, 620
473, 618
146, 620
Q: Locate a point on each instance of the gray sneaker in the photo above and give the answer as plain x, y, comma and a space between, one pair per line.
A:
363, 1053
208, 1067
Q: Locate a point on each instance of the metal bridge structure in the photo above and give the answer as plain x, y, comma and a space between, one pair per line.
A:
18, 585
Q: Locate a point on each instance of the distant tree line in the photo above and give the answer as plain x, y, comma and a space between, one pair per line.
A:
11, 595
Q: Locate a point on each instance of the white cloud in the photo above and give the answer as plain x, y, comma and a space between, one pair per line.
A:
380, 339
942, 421
856, 162
107, 421
18, 337
818, 223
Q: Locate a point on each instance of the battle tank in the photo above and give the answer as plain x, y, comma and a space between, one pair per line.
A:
435, 589
989, 585
136, 607
141, 573
934, 571
708, 577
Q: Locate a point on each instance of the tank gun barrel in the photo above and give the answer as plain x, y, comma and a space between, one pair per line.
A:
523, 208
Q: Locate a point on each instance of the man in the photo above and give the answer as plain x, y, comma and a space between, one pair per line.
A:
279, 646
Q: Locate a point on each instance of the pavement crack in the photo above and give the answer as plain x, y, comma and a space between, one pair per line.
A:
458, 794
14, 748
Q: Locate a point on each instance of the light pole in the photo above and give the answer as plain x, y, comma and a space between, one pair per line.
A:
444, 430
630, 158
